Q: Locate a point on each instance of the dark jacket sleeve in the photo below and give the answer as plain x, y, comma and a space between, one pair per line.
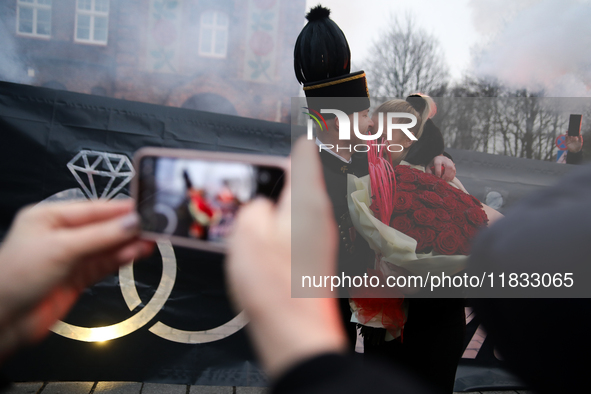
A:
448, 156
543, 340
333, 373
574, 157
427, 147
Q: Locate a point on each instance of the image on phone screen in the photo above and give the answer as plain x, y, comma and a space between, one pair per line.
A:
199, 199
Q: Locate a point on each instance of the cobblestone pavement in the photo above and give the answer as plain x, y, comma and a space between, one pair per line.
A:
154, 388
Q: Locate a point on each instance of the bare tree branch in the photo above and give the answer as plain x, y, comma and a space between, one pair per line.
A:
405, 60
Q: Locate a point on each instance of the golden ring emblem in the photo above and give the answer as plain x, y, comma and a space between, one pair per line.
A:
94, 163
148, 312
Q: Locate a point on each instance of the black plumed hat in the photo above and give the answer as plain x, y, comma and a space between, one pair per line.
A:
321, 50
322, 62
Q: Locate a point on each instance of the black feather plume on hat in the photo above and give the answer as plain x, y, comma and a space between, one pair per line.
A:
321, 50
317, 12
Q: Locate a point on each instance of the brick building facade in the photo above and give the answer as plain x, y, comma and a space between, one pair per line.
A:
228, 56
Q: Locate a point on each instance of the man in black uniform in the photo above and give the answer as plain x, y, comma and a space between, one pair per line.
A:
322, 65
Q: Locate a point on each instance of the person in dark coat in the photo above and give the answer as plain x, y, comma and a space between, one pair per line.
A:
322, 64
302, 346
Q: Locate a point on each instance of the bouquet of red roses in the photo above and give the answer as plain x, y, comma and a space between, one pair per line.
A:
442, 220
440, 217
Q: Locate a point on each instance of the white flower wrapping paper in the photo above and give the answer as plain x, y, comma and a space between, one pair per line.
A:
395, 247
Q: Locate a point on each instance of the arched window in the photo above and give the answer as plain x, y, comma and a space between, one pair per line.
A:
213, 34
210, 102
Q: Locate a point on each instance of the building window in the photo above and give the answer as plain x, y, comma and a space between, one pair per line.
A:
213, 35
92, 21
34, 18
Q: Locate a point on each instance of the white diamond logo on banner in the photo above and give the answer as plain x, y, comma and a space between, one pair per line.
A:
88, 164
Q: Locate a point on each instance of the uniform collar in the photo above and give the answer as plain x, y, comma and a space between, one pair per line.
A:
319, 143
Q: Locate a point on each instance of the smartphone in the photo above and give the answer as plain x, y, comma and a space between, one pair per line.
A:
192, 197
574, 125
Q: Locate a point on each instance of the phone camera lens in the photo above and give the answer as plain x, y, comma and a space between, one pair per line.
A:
264, 177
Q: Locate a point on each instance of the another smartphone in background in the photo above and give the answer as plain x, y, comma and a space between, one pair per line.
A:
192, 197
574, 125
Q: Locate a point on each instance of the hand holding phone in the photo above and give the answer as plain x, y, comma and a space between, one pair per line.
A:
574, 144
192, 197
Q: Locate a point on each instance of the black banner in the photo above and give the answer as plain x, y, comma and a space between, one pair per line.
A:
59, 145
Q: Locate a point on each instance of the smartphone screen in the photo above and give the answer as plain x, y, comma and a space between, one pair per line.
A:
195, 201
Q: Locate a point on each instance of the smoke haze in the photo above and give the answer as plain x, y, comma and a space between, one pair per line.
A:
12, 67
539, 45
225, 56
